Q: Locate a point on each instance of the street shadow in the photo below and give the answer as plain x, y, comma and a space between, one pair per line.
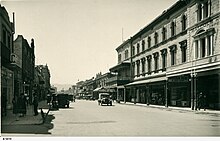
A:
30, 128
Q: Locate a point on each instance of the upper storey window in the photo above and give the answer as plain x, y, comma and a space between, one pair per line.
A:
126, 54
183, 21
203, 9
173, 28
133, 50
143, 45
138, 48
149, 42
164, 34
156, 38
119, 58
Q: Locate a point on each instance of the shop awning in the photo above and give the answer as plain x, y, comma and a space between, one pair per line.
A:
99, 89
147, 81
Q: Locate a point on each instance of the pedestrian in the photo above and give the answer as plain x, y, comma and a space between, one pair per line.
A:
22, 105
204, 101
35, 103
15, 108
200, 100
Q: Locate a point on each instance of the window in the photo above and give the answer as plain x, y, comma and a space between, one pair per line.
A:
4, 36
156, 38
204, 10
119, 58
149, 42
143, 45
164, 34
133, 50
149, 64
164, 59
138, 67
204, 43
138, 48
126, 54
156, 60
172, 27
133, 69
209, 45
173, 54
183, 22
143, 62
183, 46
196, 49
202, 47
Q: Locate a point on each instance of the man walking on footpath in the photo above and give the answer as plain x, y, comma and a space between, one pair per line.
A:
35, 103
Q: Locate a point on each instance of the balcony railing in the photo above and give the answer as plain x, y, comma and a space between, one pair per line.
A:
118, 78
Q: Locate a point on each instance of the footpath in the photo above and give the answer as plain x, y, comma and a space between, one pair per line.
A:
171, 108
29, 118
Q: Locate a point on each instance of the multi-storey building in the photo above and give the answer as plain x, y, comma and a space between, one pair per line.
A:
177, 56
25, 53
7, 74
44, 80
122, 71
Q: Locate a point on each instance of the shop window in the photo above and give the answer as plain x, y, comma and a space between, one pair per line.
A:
143, 45
164, 34
149, 42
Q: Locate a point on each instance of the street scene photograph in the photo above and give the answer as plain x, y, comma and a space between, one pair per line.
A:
110, 69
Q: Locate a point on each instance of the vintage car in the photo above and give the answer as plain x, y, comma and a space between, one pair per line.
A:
54, 102
104, 98
63, 100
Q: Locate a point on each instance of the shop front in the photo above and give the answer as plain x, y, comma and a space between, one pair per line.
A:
151, 91
208, 84
179, 91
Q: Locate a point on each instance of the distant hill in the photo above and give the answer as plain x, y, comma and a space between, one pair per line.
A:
62, 86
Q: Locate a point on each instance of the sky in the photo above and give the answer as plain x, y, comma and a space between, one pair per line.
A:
77, 38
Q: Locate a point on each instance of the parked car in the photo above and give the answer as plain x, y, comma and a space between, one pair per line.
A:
71, 97
63, 100
54, 102
104, 98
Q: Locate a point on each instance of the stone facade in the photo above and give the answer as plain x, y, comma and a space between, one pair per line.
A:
173, 56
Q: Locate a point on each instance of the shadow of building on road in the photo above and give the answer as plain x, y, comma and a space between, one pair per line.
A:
30, 128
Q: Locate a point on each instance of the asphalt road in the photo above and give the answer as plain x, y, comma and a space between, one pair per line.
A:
86, 118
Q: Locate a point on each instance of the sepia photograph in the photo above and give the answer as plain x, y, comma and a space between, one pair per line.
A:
110, 69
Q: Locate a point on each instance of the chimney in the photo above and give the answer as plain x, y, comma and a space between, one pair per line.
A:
32, 43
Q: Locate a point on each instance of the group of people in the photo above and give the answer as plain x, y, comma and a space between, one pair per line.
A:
20, 105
